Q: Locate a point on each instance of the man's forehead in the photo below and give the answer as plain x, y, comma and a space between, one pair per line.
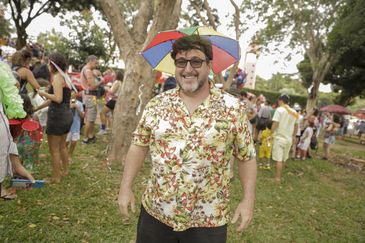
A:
190, 53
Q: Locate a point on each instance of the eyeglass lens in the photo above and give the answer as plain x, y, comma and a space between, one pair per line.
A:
195, 62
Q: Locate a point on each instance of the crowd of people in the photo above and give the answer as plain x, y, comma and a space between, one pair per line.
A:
295, 130
52, 105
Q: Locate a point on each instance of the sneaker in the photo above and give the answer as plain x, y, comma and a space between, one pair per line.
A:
102, 132
85, 141
92, 140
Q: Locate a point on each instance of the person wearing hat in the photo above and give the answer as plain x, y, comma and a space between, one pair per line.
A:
284, 129
191, 132
298, 109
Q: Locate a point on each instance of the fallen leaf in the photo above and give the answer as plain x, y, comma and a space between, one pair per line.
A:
32, 225
55, 218
126, 221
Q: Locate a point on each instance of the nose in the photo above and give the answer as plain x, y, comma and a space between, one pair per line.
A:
188, 67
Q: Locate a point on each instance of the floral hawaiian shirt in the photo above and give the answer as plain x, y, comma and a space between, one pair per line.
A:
189, 183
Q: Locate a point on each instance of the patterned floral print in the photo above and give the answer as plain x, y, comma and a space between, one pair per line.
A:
189, 183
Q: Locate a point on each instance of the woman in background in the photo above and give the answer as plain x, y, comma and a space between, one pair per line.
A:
330, 132
59, 117
20, 65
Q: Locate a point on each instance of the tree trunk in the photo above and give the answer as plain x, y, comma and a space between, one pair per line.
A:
320, 69
125, 115
22, 36
137, 71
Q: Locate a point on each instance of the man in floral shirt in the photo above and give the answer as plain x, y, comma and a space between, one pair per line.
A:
191, 132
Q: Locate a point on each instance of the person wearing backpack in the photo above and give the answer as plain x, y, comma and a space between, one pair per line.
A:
331, 129
90, 84
20, 62
305, 141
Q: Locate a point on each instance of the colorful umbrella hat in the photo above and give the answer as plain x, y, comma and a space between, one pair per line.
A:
226, 51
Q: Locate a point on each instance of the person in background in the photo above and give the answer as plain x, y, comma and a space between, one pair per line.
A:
40, 71
20, 65
305, 141
264, 116
284, 129
73, 136
109, 106
9, 157
90, 85
191, 132
170, 83
266, 147
250, 107
330, 130
298, 109
59, 116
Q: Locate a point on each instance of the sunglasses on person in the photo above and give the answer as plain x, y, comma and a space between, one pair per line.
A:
194, 62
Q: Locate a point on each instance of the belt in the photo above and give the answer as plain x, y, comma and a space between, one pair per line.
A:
91, 92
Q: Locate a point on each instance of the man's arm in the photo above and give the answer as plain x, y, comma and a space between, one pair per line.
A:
134, 160
274, 127
247, 171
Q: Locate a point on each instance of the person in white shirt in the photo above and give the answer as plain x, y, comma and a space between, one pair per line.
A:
284, 129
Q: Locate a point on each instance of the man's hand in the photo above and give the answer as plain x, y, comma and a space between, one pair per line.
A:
125, 198
245, 212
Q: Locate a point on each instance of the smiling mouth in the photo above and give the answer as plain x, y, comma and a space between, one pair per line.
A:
189, 76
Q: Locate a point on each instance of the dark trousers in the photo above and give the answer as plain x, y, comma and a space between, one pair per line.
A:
150, 230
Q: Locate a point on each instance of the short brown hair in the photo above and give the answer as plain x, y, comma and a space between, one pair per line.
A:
191, 42
20, 58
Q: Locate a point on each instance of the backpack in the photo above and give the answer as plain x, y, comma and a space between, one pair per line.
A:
314, 142
23, 86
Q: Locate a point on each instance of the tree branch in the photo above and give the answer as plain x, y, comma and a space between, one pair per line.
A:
159, 22
209, 14
114, 15
198, 10
141, 21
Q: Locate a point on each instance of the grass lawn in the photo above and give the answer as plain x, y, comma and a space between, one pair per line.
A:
317, 202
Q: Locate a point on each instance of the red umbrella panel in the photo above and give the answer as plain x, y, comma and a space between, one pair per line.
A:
335, 109
225, 50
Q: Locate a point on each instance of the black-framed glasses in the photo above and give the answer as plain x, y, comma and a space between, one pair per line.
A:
194, 62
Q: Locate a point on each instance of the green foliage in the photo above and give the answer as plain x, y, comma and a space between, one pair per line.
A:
280, 83
347, 46
306, 71
54, 41
32, 9
87, 38
300, 25
5, 27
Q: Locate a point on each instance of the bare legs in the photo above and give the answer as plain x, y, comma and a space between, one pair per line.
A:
71, 148
89, 129
103, 113
59, 156
278, 171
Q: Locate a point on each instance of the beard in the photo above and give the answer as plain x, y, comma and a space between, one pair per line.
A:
190, 88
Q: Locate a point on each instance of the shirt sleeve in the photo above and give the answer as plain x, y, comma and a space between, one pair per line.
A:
244, 148
276, 116
142, 134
